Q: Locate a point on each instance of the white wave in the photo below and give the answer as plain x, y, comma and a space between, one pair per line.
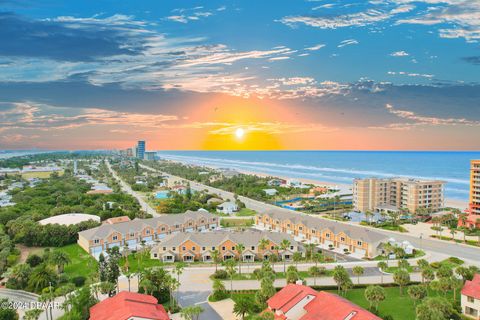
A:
226, 162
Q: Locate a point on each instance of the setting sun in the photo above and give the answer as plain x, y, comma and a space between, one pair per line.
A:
239, 133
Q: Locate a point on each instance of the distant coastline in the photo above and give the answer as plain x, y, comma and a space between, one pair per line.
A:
303, 169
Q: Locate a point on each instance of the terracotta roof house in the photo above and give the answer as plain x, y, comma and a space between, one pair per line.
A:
129, 305
470, 299
299, 302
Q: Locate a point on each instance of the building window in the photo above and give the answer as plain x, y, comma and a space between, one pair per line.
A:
272, 248
148, 232
132, 235
471, 311
342, 239
300, 228
173, 248
114, 238
163, 228
155, 255
470, 299
193, 248
327, 235
253, 247
164, 248
213, 248
96, 241
184, 249
223, 248
233, 248
360, 243
291, 247
203, 248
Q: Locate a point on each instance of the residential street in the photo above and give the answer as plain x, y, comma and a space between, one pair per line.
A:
127, 189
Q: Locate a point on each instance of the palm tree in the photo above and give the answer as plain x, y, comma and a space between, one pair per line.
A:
215, 258
284, 245
178, 271
297, 257
263, 244
358, 271
242, 306
240, 249
60, 259
41, 277
382, 265
315, 272
230, 268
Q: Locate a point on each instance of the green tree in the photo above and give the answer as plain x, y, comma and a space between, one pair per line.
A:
374, 295
358, 271
32, 314
60, 259
42, 276
435, 308
417, 293
342, 278
230, 268
191, 312
422, 264
428, 275
7, 313
284, 246
382, 265
216, 259
297, 257
243, 306
240, 250
401, 278
316, 271
219, 291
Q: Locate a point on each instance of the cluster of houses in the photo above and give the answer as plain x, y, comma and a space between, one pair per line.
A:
247, 246
134, 234
327, 234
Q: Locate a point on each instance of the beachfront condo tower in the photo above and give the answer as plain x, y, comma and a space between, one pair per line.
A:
394, 194
473, 219
140, 149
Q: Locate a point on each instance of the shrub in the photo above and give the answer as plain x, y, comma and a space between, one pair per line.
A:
78, 281
34, 260
12, 259
220, 274
456, 260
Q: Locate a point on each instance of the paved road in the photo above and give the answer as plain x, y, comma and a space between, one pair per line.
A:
440, 247
127, 189
27, 300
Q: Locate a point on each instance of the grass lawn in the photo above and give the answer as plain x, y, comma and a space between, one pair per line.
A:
82, 264
399, 307
225, 222
394, 228
279, 275
469, 242
135, 264
39, 175
245, 212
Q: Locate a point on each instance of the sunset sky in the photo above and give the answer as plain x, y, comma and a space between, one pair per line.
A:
327, 75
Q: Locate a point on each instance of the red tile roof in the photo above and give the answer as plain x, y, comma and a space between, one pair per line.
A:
472, 288
323, 306
329, 306
289, 296
126, 305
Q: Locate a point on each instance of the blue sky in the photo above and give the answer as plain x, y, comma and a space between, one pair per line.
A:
110, 67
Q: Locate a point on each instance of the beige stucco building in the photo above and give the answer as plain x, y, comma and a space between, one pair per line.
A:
373, 194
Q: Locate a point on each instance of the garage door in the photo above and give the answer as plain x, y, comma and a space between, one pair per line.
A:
360, 252
132, 244
95, 251
148, 239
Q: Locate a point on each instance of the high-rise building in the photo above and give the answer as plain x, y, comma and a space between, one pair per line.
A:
473, 218
75, 167
150, 155
140, 149
374, 194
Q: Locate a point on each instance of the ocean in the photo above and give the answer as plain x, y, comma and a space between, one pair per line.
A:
342, 167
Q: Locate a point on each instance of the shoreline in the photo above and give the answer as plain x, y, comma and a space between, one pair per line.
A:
344, 188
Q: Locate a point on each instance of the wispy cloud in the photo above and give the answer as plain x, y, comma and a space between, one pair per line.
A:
316, 47
411, 74
399, 54
347, 42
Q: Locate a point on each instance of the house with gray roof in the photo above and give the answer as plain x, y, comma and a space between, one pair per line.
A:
140, 232
249, 245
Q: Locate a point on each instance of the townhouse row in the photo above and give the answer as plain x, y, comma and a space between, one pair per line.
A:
247, 246
327, 234
136, 233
